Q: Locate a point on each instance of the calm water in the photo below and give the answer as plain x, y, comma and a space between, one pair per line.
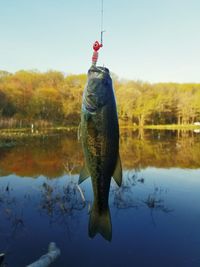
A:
155, 214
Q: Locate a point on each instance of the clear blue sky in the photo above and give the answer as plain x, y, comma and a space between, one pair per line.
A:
150, 40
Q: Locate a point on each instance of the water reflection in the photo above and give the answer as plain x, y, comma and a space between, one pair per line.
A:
124, 196
43, 155
55, 155
56, 210
57, 202
162, 149
155, 210
62, 203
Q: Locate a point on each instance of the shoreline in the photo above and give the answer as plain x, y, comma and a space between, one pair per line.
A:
28, 132
163, 127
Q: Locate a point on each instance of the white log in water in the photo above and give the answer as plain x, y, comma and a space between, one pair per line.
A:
2, 256
47, 259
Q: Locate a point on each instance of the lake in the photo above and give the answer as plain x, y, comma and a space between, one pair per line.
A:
155, 213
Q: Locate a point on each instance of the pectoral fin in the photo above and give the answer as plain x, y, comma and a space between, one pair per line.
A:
117, 175
84, 174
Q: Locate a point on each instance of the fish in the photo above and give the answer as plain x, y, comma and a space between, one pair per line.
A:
99, 135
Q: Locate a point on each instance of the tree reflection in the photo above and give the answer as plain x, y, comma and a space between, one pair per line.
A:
48, 155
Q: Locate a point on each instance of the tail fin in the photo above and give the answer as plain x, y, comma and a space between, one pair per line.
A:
100, 223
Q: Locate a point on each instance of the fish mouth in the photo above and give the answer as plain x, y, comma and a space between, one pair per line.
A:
95, 95
98, 72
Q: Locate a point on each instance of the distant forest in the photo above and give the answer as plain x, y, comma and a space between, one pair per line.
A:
52, 98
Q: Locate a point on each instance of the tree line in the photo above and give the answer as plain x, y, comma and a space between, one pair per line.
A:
52, 98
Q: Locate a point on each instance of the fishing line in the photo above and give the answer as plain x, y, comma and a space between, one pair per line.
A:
102, 13
97, 45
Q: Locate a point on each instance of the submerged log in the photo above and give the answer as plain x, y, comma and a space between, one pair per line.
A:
47, 259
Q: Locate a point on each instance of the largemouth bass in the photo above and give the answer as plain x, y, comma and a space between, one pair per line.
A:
99, 132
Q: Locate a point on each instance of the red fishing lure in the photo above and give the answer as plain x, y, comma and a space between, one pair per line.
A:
96, 47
